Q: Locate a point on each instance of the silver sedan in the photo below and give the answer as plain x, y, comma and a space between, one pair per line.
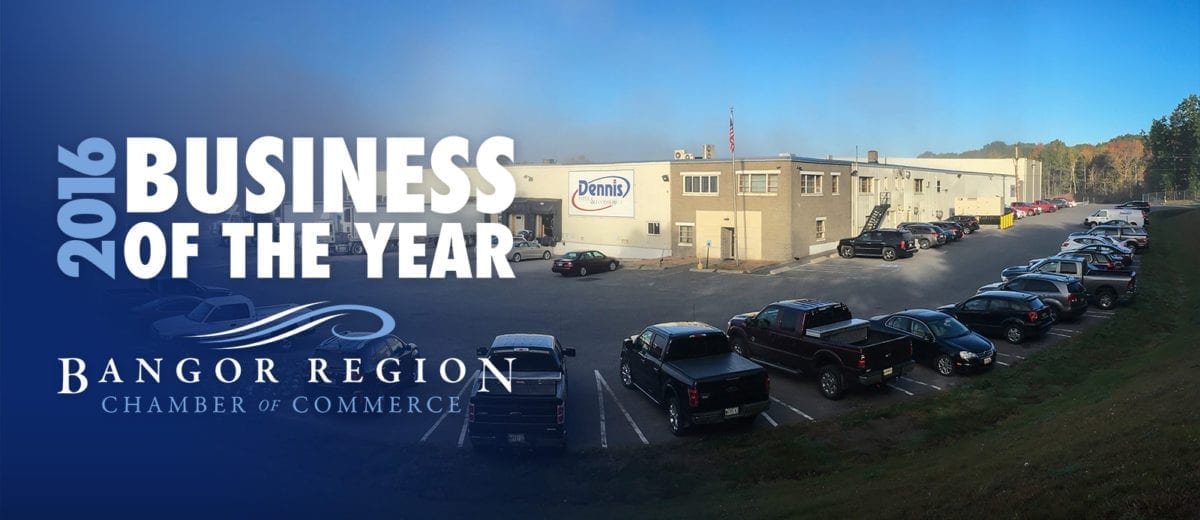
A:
524, 250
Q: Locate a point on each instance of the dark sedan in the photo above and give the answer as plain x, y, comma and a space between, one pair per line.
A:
395, 359
957, 232
1015, 315
939, 340
584, 262
970, 223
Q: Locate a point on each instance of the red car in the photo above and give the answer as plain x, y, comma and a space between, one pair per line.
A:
1028, 208
1047, 206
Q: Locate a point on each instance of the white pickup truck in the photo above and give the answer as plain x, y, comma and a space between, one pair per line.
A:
213, 315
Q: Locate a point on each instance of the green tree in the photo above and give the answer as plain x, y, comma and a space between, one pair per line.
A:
1174, 147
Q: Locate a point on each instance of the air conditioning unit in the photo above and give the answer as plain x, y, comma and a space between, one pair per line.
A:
681, 155
689, 156
710, 151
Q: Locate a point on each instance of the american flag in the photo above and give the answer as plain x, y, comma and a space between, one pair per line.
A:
731, 146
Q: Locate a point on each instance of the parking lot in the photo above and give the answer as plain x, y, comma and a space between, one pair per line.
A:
450, 318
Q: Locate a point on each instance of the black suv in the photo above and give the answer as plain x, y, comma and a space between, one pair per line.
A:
969, 223
927, 235
1065, 295
1015, 315
957, 232
1135, 204
889, 244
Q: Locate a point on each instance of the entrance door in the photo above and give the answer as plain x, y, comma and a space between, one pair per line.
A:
728, 243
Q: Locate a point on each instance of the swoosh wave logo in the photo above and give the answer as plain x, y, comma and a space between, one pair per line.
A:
280, 326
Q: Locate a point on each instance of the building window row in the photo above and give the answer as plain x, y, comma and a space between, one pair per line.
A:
758, 182
700, 184
810, 184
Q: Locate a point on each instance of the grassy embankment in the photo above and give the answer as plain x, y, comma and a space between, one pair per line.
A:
1104, 424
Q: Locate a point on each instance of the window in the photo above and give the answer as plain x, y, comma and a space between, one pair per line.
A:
1068, 268
656, 348
977, 304
652, 228
687, 234
939, 186
810, 184
821, 228
700, 184
768, 317
766, 182
788, 319
865, 185
918, 185
833, 184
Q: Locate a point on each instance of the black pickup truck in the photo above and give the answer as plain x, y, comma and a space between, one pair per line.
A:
822, 338
533, 413
689, 368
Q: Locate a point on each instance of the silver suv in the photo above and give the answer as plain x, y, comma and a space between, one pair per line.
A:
1064, 295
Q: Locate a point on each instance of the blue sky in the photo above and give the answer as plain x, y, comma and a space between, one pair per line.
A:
623, 81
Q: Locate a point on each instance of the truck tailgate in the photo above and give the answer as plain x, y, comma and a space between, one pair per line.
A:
717, 368
887, 352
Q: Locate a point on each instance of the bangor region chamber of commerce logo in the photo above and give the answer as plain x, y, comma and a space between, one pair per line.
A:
602, 193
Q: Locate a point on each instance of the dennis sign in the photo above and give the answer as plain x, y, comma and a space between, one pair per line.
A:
601, 193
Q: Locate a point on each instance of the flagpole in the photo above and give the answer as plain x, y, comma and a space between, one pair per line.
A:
736, 186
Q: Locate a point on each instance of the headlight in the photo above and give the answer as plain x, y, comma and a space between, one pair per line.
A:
967, 355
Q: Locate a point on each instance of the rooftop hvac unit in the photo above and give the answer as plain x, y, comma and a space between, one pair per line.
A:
710, 151
689, 156
681, 154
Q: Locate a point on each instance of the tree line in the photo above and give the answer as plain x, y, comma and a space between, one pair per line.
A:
1167, 158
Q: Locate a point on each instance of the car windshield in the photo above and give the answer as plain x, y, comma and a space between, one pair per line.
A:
947, 328
525, 360
200, 312
697, 346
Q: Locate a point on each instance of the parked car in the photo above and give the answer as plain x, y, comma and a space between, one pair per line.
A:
1100, 260
889, 244
1129, 236
1046, 205
1061, 202
1076, 241
533, 413
822, 338
969, 223
214, 315
523, 234
939, 340
1121, 253
164, 307
1132, 217
350, 345
1016, 316
927, 235
1065, 295
583, 262
160, 287
525, 250
1018, 213
1105, 288
690, 369
955, 231
1028, 208
1134, 204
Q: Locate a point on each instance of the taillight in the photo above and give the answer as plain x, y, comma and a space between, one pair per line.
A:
1072, 298
693, 397
568, 264
768, 384
471, 412
862, 361
1130, 286
903, 244
1033, 316
1065, 244
560, 413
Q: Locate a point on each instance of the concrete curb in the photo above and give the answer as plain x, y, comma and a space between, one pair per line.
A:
816, 259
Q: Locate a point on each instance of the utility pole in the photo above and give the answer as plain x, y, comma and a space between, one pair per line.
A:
736, 187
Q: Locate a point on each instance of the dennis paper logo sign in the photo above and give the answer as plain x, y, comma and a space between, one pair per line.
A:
601, 193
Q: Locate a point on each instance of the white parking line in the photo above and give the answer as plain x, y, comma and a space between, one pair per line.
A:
935, 387
447, 412
628, 417
1059, 335
769, 419
1068, 331
894, 387
1003, 364
462, 434
1099, 316
793, 408
600, 398
1010, 355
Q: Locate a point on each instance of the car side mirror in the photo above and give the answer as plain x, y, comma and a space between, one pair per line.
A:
569, 351
629, 344
481, 351
753, 322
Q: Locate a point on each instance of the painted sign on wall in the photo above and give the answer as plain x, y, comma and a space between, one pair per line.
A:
601, 193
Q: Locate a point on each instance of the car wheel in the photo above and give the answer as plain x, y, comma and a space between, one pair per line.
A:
358, 249
739, 346
889, 254
923, 243
1053, 313
1014, 334
612, 266
626, 375
833, 385
546, 255
582, 271
944, 365
676, 416
847, 252
517, 257
1106, 299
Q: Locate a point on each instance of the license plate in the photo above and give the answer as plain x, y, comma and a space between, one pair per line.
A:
887, 372
987, 360
731, 411
516, 437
